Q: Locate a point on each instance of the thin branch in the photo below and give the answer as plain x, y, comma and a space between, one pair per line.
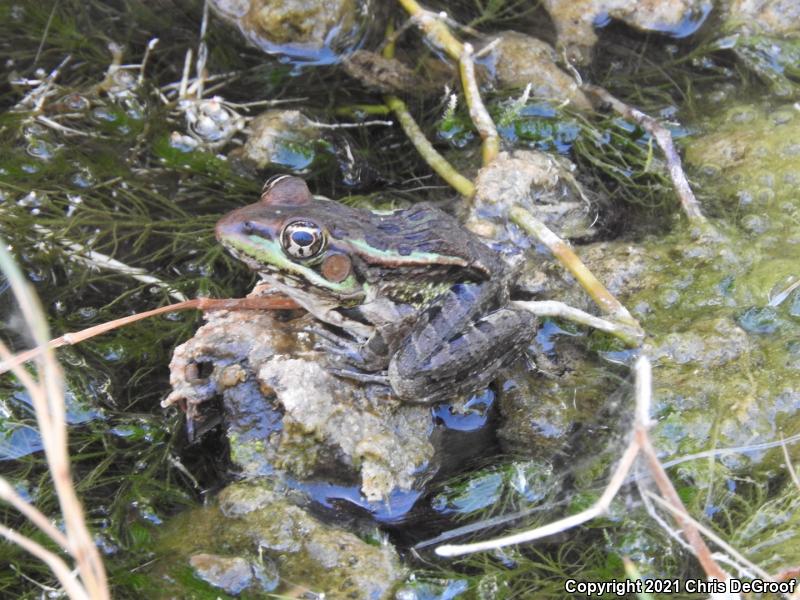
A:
47, 397
99, 260
552, 308
351, 125
690, 205
594, 511
10, 495
680, 515
59, 568
604, 299
789, 465
434, 28
70, 339
416, 136
734, 450
477, 111
429, 154
598, 508
639, 441
689, 525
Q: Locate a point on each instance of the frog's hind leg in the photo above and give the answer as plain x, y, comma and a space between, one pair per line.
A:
464, 363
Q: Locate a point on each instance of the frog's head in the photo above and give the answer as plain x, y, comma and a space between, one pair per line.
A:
283, 237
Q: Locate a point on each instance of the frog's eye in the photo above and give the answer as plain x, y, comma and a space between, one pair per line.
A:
303, 239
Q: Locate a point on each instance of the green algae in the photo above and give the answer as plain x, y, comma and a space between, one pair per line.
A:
255, 522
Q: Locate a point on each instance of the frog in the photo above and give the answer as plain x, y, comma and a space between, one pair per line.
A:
407, 298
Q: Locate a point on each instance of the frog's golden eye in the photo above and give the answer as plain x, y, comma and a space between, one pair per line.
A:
303, 239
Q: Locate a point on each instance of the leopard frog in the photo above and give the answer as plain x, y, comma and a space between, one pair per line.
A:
407, 297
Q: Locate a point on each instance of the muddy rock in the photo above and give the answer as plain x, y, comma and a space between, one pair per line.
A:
575, 20
282, 139
285, 413
518, 60
253, 541
540, 182
233, 575
304, 30
385, 75
771, 17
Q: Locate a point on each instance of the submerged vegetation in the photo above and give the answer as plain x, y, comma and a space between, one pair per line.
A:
93, 171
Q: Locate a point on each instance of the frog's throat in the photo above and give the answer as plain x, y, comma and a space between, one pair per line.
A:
266, 256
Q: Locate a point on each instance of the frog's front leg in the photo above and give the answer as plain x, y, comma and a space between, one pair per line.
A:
458, 346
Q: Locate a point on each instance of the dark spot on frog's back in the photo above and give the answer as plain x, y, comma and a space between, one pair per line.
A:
465, 292
404, 250
418, 236
389, 226
418, 214
428, 247
376, 241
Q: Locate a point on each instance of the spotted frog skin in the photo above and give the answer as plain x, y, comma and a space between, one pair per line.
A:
408, 298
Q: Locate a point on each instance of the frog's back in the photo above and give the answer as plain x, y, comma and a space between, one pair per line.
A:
421, 236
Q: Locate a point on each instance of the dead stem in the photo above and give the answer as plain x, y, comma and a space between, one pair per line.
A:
789, 465
356, 110
639, 441
477, 111
438, 32
70, 339
98, 260
59, 568
46, 392
429, 154
594, 511
551, 308
689, 204
608, 304
434, 28
735, 558
690, 530
10, 495
417, 137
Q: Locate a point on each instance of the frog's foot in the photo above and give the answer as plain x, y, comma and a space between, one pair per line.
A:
378, 378
369, 356
338, 347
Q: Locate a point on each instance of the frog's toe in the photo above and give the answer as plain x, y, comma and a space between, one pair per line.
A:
341, 353
379, 378
331, 342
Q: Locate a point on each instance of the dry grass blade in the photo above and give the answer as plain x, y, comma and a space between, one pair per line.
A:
46, 390
59, 568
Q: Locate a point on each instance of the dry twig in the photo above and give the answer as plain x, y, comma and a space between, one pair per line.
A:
639, 442
551, 308
46, 391
275, 302
690, 205
565, 255
477, 111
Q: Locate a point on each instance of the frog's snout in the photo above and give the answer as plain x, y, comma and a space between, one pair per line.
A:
228, 226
